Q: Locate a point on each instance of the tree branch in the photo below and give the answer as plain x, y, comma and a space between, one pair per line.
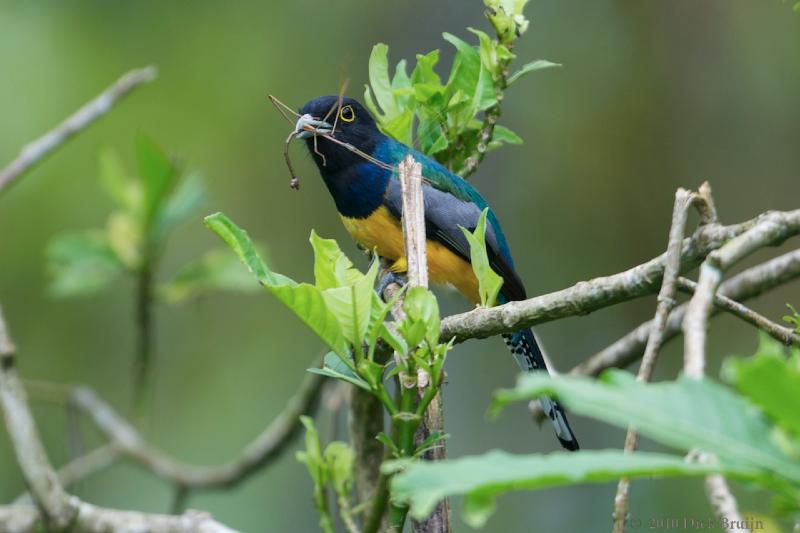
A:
83, 117
587, 296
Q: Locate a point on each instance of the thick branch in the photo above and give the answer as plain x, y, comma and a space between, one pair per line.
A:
90, 519
86, 115
588, 296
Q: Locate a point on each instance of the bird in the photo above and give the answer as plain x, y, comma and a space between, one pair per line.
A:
367, 196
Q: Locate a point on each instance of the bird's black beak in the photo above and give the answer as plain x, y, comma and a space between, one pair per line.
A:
307, 125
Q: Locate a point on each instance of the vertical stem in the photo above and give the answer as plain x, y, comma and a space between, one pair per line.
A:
144, 340
416, 247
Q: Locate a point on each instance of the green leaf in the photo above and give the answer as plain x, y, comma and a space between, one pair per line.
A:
306, 301
184, 202
332, 268
156, 174
770, 381
215, 270
122, 190
424, 71
124, 234
339, 458
481, 478
312, 456
489, 282
686, 414
401, 85
379, 79
422, 317
502, 134
335, 367
539, 64
469, 76
400, 126
81, 263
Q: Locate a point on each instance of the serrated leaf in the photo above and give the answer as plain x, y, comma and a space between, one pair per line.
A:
489, 282
81, 263
482, 478
215, 270
539, 64
686, 414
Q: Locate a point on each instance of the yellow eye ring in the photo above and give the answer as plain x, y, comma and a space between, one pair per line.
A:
347, 114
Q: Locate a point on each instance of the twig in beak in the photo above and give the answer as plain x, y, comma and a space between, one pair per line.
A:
294, 183
280, 106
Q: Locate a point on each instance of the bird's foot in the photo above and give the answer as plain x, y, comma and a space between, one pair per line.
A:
388, 279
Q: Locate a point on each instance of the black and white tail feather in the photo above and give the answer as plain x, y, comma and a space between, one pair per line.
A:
526, 351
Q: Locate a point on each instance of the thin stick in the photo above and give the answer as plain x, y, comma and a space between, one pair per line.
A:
413, 220
37, 150
280, 106
666, 301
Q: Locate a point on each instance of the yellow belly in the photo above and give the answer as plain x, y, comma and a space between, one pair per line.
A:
383, 233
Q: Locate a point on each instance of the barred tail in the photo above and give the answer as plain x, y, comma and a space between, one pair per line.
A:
525, 349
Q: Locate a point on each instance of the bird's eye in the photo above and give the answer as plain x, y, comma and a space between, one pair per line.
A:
347, 114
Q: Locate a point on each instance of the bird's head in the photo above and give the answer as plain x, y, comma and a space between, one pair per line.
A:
349, 123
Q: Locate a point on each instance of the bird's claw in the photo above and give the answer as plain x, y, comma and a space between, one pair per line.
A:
388, 279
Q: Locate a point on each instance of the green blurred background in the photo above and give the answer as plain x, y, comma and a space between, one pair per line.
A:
652, 96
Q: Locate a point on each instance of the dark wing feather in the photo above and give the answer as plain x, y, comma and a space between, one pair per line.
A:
444, 213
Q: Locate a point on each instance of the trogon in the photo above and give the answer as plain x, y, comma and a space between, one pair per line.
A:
368, 199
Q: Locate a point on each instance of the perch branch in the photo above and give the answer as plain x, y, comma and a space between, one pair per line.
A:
588, 296
79, 120
666, 301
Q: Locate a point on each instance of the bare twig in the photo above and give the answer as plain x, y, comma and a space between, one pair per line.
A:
86, 115
666, 301
55, 505
127, 441
417, 269
787, 336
